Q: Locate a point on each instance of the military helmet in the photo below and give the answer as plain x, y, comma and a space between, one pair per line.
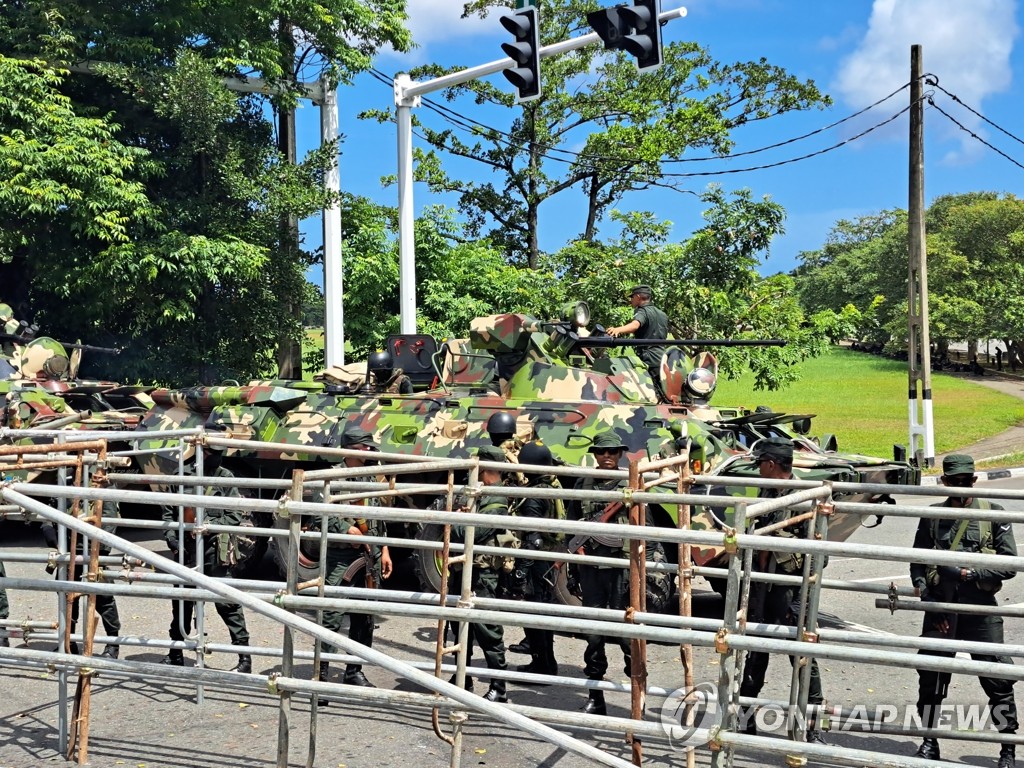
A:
535, 452
501, 425
380, 361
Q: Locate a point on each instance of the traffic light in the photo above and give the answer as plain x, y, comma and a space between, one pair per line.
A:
525, 52
631, 28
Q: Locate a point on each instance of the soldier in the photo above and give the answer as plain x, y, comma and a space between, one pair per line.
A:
534, 579
971, 586
386, 379
217, 561
603, 586
648, 322
774, 603
484, 578
347, 561
106, 606
5, 608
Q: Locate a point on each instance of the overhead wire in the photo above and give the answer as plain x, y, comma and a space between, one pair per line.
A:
933, 81
971, 133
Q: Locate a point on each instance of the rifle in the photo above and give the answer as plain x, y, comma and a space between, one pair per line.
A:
66, 344
577, 542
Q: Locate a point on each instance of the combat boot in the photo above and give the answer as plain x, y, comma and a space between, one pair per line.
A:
468, 685
111, 651
354, 676
244, 665
929, 750
174, 657
1007, 756
595, 704
325, 671
520, 647
536, 667
4, 642
496, 692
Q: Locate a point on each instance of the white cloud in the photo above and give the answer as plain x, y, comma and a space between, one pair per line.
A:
440, 21
967, 45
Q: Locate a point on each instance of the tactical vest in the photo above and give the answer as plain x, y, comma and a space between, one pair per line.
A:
990, 586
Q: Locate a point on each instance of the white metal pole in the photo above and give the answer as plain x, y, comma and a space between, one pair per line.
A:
406, 212
334, 318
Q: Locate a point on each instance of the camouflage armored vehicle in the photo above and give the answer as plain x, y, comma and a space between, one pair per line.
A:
39, 387
560, 382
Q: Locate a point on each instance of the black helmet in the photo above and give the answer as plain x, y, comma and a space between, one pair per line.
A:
536, 453
501, 426
380, 361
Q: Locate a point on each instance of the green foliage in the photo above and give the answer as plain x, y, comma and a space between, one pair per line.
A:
975, 272
623, 124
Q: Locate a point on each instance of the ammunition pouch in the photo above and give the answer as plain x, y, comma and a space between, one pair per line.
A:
226, 552
788, 562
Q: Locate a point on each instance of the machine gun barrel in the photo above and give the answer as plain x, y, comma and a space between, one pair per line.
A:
608, 342
65, 344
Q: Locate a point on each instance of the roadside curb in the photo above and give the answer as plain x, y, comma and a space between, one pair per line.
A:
994, 474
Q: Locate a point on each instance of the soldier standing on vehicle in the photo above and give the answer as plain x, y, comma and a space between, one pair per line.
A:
970, 586
535, 579
347, 561
648, 322
775, 603
603, 586
486, 569
218, 557
386, 379
106, 606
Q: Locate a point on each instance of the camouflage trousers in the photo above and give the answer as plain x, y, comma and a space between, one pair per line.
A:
360, 625
182, 612
5, 607
489, 637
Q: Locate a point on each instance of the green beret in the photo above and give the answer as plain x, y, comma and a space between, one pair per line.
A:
778, 449
607, 440
642, 289
491, 453
958, 464
354, 435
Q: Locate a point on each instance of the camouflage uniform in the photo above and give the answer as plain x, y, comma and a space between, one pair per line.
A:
972, 587
534, 578
214, 565
397, 384
340, 558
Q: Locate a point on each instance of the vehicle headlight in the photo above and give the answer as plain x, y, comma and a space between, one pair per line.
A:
578, 314
700, 382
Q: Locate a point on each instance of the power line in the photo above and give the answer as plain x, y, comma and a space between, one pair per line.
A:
932, 80
466, 123
971, 133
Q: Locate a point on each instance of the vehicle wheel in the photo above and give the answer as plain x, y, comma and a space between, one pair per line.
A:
427, 562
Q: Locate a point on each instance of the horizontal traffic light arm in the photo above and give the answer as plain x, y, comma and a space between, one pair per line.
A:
415, 90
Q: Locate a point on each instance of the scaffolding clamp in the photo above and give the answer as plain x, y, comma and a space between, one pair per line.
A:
722, 641
714, 744
272, 683
894, 598
730, 541
810, 637
627, 497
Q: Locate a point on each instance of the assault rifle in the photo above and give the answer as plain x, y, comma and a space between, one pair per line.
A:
579, 541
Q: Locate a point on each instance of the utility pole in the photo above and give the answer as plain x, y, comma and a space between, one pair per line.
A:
922, 432
407, 96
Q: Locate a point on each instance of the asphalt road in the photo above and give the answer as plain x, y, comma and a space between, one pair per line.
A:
157, 723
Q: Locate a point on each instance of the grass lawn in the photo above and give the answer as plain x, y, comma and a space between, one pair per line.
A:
862, 399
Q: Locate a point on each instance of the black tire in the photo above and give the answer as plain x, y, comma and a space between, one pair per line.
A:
427, 562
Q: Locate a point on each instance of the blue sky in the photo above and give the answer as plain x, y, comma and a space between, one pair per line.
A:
855, 50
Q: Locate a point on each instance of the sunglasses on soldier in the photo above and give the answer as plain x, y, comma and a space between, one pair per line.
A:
958, 481
606, 451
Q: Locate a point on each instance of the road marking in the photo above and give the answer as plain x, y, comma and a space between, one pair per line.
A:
882, 578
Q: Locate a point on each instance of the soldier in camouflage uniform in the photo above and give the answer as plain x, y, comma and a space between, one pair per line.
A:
386, 379
106, 606
534, 579
603, 586
774, 603
951, 584
217, 561
347, 561
648, 322
484, 578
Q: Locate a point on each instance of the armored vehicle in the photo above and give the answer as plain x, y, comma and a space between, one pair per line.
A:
559, 381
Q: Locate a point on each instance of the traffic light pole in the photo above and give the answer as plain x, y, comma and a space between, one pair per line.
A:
407, 96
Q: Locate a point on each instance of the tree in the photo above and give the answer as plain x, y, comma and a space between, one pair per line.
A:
221, 278
628, 126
